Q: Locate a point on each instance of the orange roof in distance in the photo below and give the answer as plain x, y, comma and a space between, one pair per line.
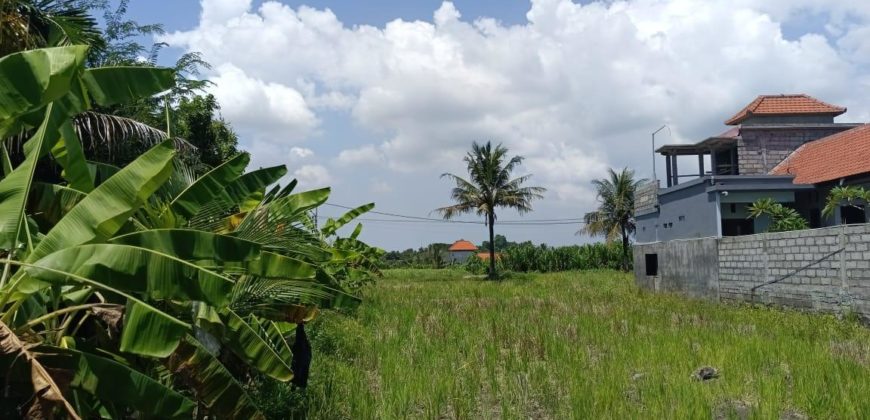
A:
844, 154
485, 256
462, 245
799, 104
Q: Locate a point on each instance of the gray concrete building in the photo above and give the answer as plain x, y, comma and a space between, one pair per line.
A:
784, 147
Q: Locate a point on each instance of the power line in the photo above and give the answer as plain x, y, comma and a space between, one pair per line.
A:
411, 219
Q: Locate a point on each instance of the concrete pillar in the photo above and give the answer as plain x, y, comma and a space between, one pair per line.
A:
676, 172
700, 164
668, 176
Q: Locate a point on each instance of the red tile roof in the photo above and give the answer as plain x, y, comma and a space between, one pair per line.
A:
462, 245
485, 256
785, 105
840, 155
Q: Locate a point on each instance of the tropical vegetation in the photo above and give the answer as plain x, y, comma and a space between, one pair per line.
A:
546, 259
846, 196
488, 188
614, 218
780, 217
148, 290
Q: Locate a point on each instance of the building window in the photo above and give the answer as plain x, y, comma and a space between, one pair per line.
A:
652, 264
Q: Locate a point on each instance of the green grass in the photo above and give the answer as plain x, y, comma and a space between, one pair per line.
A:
432, 344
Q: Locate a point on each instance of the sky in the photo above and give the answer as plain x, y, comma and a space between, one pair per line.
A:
378, 98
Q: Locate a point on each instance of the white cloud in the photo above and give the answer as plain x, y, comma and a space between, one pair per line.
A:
313, 176
363, 155
266, 109
300, 153
575, 89
381, 187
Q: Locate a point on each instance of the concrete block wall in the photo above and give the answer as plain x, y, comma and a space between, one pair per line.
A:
760, 149
688, 266
829, 283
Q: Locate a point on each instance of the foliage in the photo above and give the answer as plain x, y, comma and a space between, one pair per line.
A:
430, 256
489, 187
853, 196
199, 124
148, 291
782, 218
615, 215
501, 243
544, 259
514, 350
29, 24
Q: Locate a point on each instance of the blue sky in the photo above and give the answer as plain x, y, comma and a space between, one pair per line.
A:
378, 98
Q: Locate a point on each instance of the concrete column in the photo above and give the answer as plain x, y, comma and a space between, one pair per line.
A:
713, 162
676, 172
700, 164
668, 176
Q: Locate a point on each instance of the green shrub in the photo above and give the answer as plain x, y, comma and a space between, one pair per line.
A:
543, 258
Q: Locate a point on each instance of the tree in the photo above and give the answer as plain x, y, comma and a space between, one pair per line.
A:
211, 135
501, 243
29, 24
615, 215
489, 187
151, 293
782, 218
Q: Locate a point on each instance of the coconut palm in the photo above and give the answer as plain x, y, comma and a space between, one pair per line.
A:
490, 186
28, 24
614, 218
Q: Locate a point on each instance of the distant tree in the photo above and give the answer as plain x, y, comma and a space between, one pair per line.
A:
200, 124
614, 218
501, 243
489, 187
782, 218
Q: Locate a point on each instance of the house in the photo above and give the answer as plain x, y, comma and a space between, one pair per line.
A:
784, 147
460, 251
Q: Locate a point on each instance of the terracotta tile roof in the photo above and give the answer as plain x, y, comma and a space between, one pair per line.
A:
485, 256
462, 245
785, 105
840, 155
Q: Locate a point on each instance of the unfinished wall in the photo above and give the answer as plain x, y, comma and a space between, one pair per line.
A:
837, 277
761, 148
826, 270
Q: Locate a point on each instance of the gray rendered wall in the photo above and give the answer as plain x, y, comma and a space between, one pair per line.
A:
688, 266
686, 211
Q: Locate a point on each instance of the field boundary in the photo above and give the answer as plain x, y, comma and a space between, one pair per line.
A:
825, 270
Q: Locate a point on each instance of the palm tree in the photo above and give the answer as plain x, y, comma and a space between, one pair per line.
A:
490, 186
615, 215
29, 24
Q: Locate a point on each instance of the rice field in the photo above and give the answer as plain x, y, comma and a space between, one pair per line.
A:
432, 344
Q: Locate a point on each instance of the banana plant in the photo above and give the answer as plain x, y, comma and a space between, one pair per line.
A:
129, 291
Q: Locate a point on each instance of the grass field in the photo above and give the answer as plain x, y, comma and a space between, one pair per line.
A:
431, 344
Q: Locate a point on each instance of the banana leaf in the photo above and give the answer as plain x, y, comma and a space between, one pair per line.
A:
130, 269
114, 383
15, 187
118, 85
208, 186
333, 225
212, 384
30, 80
219, 252
106, 209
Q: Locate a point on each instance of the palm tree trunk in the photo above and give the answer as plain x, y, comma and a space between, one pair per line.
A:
624, 250
491, 246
